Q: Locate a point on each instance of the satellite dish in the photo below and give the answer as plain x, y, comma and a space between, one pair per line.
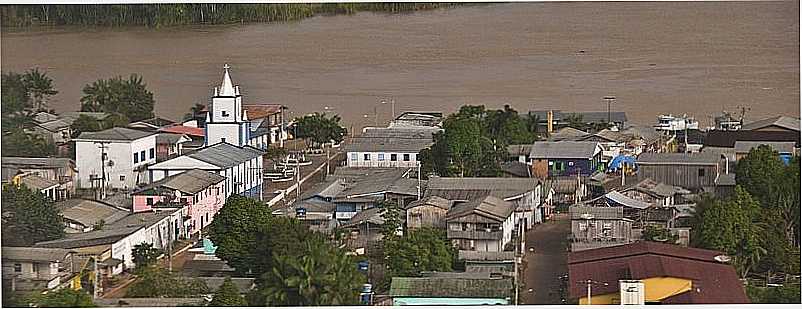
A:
111, 163
722, 258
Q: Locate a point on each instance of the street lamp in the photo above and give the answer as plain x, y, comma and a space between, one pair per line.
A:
392, 106
590, 282
609, 99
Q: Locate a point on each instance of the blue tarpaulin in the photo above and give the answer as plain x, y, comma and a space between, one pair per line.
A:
620, 160
208, 246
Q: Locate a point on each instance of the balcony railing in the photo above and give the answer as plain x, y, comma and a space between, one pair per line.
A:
476, 234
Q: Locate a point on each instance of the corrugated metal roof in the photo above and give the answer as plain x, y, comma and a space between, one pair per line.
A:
488, 206
38, 183
597, 213
470, 255
700, 158
459, 188
225, 155
626, 201
451, 287
435, 201
88, 212
790, 123
115, 134
37, 162
781, 147
190, 181
171, 138
181, 129
387, 144
563, 149
34, 254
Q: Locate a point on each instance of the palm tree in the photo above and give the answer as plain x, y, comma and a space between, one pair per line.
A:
322, 276
40, 87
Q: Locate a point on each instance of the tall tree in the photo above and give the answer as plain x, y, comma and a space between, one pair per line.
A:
144, 255
40, 87
234, 231
227, 296
320, 129
425, 249
322, 276
29, 217
15, 102
128, 97
19, 143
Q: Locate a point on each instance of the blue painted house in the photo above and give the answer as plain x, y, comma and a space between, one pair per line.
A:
565, 158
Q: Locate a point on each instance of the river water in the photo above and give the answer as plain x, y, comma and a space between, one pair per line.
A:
694, 58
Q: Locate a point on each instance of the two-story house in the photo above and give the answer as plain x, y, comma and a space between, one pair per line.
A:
481, 224
60, 170
524, 193
565, 158
692, 171
389, 147
123, 154
28, 269
201, 192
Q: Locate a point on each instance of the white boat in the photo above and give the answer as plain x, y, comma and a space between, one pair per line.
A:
676, 123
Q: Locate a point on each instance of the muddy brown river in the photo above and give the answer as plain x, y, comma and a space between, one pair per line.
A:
694, 58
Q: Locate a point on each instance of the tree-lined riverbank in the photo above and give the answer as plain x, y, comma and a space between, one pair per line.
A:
160, 15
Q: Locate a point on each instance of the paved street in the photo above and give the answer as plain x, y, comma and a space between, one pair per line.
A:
547, 263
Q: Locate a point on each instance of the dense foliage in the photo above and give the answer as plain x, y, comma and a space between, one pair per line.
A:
29, 217
227, 295
293, 266
86, 123
652, 233
787, 294
158, 282
22, 96
129, 97
63, 298
157, 15
145, 255
320, 129
234, 231
759, 224
321, 275
474, 141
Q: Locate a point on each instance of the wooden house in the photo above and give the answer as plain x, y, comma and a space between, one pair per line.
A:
693, 171
482, 224
429, 211
565, 158
597, 227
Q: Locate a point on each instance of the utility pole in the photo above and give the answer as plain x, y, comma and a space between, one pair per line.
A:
95, 283
609, 100
419, 178
170, 245
102, 146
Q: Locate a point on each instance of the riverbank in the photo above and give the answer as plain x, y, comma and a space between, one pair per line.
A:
161, 15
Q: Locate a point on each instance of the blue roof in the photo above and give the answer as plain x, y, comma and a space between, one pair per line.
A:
616, 163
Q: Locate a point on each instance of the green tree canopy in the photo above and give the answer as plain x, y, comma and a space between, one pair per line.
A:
29, 217
320, 129
128, 97
64, 298
759, 172
282, 236
322, 276
40, 87
234, 231
154, 281
145, 255
86, 123
19, 143
227, 296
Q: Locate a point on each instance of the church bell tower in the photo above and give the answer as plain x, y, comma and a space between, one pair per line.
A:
226, 121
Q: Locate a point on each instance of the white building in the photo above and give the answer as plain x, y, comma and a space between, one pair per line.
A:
389, 147
35, 268
127, 154
241, 165
481, 224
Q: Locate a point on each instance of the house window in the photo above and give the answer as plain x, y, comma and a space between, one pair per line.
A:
17, 267
367, 157
223, 139
136, 158
35, 267
701, 172
152, 153
381, 157
583, 226
406, 157
142, 156
224, 113
149, 201
122, 177
571, 163
393, 157
354, 157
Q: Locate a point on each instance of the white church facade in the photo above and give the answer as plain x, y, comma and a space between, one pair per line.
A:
227, 121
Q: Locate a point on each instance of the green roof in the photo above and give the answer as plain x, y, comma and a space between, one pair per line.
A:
451, 287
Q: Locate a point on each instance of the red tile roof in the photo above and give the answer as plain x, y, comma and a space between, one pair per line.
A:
256, 111
183, 130
713, 282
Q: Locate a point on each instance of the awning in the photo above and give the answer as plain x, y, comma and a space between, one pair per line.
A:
626, 201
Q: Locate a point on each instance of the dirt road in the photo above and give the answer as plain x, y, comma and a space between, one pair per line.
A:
547, 262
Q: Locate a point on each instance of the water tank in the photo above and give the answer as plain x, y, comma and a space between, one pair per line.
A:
632, 292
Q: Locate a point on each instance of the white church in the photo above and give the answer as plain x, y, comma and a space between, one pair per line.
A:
232, 148
227, 121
